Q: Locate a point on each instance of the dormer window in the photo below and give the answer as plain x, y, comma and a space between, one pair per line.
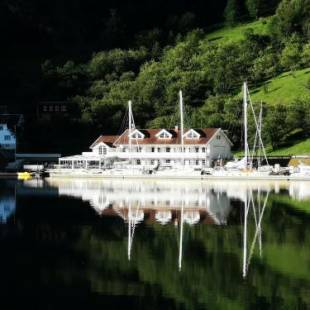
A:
136, 134
191, 134
164, 134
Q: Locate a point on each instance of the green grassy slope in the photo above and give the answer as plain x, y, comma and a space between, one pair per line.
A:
300, 148
237, 33
284, 88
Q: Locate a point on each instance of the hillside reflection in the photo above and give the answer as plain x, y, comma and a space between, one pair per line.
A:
193, 245
178, 203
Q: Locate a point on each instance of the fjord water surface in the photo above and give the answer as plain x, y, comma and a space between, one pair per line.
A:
94, 244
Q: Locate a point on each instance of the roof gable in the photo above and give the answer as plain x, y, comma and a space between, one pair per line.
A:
222, 133
136, 134
192, 134
164, 134
107, 140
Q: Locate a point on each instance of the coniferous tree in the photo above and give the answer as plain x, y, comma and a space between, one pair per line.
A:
259, 8
232, 12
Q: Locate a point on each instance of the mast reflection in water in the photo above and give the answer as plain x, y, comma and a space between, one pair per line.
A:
187, 244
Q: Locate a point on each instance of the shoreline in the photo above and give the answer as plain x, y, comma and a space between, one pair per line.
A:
8, 175
184, 177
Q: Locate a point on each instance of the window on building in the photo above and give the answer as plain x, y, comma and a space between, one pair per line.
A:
164, 135
152, 162
45, 108
136, 134
203, 150
218, 137
192, 134
7, 138
102, 150
203, 161
196, 149
1, 127
56, 108
197, 162
51, 108
158, 150
167, 161
167, 149
63, 108
153, 149
138, 162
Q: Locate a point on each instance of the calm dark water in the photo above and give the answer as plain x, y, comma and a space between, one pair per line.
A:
86, 244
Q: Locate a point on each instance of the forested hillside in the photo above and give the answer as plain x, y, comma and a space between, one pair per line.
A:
207, 51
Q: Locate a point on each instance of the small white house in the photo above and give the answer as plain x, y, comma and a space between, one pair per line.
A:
7, 138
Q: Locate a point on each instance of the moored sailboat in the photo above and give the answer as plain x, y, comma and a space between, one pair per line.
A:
245, 166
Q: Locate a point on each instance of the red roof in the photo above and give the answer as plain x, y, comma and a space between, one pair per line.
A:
108, 140
150, 137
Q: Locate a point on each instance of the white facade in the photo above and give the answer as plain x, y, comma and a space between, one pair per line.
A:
155, 148
7, 208
7, 138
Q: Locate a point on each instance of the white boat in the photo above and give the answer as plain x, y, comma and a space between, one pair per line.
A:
302, 170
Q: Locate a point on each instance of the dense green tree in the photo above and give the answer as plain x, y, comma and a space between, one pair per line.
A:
306, 55
265, 65
258, 8
290, 57
276, 125
232, 12
111, 63
292, 16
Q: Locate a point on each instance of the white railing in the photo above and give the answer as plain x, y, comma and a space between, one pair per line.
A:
163, 155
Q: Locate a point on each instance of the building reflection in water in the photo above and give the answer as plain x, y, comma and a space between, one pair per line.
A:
7, 203
179, 203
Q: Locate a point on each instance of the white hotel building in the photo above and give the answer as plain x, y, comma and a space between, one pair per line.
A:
155, 148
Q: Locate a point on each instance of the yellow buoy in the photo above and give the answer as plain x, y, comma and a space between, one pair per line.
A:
24, 175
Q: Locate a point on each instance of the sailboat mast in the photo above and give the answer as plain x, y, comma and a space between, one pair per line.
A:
129, 233
245, 237
129, 124
181, 236
260, 124
245, 115
182, 124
